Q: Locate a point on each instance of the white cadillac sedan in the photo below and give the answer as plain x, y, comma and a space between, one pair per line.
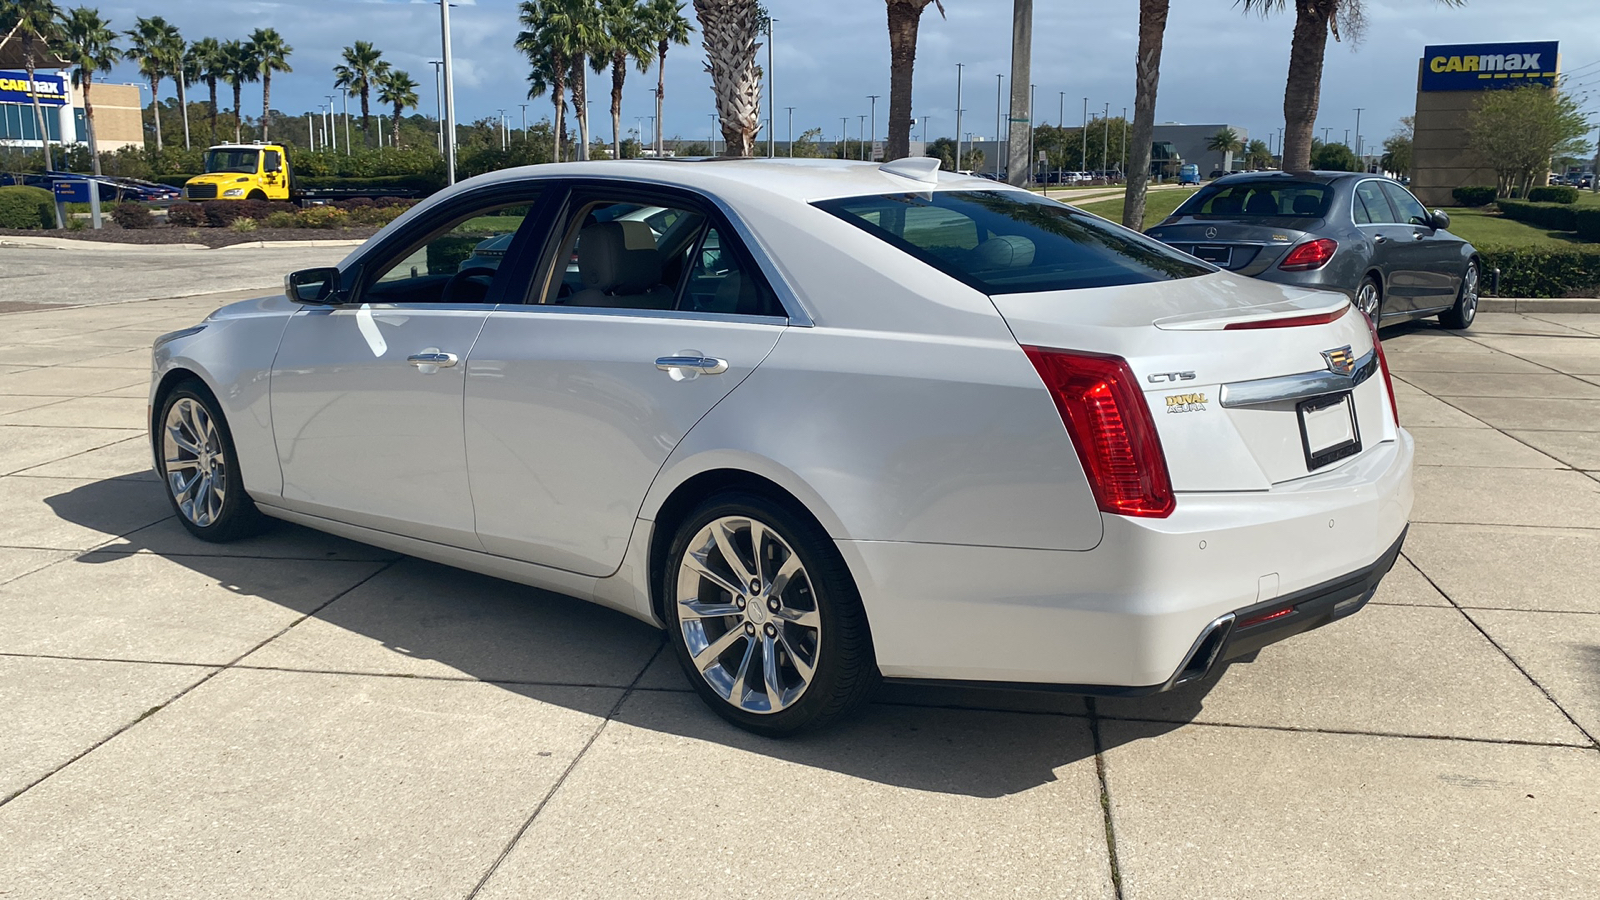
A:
824, 422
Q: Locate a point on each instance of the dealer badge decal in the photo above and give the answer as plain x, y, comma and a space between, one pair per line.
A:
1182, 403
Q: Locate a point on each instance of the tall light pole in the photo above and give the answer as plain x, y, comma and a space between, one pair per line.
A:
1083, 154
525, 122
772, 97
861, 131
999, 110
346, 93
449, 94
1325, 134
438, 104
844, 137
1033, 162
791, 131
1105, 138
872, 134
311, 134
958, 116
1061, 109
1358, 130
332, 121
1122, 167
502, 128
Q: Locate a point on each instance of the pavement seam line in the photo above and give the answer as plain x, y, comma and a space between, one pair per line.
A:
1352, 732
562, 778
1560, 463
1593, 741
1105, 798
183, 693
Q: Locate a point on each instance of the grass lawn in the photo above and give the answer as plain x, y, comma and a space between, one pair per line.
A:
1483, 227
490, 224
1157, 205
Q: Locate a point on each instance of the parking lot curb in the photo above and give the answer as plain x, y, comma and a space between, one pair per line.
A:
1539, 304
268, 245
50, 243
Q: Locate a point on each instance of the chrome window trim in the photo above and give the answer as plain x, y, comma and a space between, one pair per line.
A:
693, 315
1263, 391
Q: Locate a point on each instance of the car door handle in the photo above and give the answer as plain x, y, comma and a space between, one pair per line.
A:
1379, 239
1417, 236
433, 358
705, 365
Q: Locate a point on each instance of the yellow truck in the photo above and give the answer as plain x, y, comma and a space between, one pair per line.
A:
242, 172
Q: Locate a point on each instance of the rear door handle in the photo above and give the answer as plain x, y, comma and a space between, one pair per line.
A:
1379, 239
432, 360
705, 365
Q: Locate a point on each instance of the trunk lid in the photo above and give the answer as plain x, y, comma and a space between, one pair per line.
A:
1177, 339
1244, 247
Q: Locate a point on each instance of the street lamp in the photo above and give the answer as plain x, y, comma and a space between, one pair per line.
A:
331, 131
872, 135
861, 130
999, 103
449, 94
791, 131
772, 96
524, 122
958, 116
1358, 130
438, 108
502, 128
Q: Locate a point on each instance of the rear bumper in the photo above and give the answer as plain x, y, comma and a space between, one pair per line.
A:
1132, 615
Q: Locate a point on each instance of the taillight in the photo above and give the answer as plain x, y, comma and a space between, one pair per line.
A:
1310, 255
1111, 427
1383, 365
1291, 322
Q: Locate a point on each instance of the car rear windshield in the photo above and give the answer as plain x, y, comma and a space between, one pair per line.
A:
1009, 242
1263, 199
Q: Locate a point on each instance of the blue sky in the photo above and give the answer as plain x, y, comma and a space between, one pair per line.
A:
1219, 65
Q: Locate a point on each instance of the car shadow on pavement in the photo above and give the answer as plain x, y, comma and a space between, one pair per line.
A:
418, 619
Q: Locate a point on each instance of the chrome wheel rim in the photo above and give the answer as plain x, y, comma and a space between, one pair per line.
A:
195, 467
1367, 298
1469, 293
748, 615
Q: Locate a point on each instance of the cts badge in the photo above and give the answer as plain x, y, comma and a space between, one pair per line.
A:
1165, 377
1341, 360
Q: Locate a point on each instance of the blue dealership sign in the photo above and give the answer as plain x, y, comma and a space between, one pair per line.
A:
50, 89
1483, 67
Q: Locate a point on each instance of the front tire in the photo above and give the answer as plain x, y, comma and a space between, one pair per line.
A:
764, 617
197, 462
1460, 316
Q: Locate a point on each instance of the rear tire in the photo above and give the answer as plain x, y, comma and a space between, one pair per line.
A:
197, 463
1461, 316
775, 639
1369, 298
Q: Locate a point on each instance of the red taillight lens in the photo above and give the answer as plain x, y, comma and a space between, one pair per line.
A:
1291, 322
1310, 255
1383, 366
1111, 427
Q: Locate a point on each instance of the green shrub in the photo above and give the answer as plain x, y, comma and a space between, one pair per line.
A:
129, 214
1554, 216
1544, 271
321, 217
186, 215
1588, 224
1553, 193
243, 224
1473, 196
222, 213
375, 215
279, 220
27, 207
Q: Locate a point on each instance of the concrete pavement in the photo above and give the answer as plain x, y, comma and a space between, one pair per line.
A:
112, 273
301, 716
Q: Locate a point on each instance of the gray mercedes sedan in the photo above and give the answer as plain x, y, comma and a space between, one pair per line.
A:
1364, 235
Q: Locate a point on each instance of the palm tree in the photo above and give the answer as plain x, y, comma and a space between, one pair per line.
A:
540, 42
363, 67
627, 35
272, 55
1225, 141
396, 89
1147, 78
904, 18
728, 31
238, 67
1313, 21
1258, 155
37, 21
152, 50
666, 24
90, 45
207, 56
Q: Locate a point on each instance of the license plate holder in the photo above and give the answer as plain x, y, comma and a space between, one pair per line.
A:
1328, 429
1219, 256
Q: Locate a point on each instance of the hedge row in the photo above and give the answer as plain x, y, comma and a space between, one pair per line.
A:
1554, 216
1473, 196
27, 207
1589, 224
1544, 272
1553, 193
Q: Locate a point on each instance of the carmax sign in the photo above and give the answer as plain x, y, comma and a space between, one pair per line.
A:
1482, 67
50, 89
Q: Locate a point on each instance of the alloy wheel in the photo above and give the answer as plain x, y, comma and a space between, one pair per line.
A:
748, 614
194, 463
1367, 298
1469, 293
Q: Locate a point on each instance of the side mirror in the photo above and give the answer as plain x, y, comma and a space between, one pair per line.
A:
1440, 220
317, 286
273, 164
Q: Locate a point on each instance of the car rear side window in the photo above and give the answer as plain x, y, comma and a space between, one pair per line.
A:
1008, 242
1260, 200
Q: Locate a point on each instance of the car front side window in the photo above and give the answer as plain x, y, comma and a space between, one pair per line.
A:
1411, 211
456, 263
